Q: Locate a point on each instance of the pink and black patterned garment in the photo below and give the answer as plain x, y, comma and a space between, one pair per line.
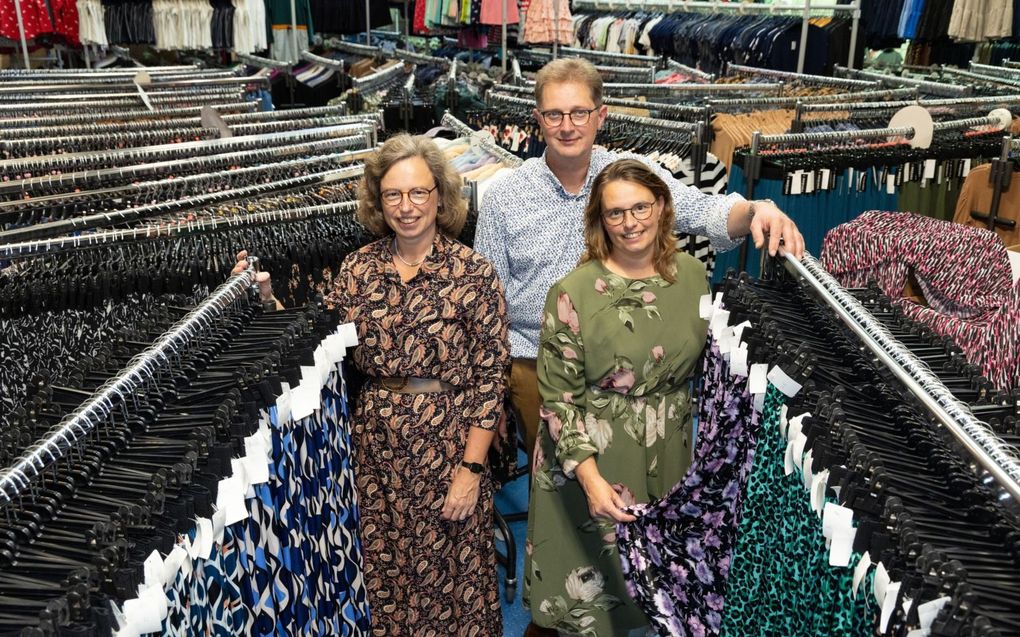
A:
963, 274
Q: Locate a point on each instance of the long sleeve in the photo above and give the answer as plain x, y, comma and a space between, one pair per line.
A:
561, 381
490, 241
697, 212
488, 326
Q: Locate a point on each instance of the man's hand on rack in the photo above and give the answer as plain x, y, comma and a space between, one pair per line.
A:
262, 279
769, 220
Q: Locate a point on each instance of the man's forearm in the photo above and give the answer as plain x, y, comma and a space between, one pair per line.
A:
738, 223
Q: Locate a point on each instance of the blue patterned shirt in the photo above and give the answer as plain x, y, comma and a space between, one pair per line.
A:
532, 230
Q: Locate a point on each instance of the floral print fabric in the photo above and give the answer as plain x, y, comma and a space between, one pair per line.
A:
614, 364
425, 576
676, 555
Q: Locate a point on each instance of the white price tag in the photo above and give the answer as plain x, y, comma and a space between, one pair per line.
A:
705, 307
757, 381
738, 361
862, 569
783, 382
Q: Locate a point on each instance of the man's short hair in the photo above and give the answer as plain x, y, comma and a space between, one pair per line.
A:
567, 70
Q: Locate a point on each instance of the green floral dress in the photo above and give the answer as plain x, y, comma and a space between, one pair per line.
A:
613, 369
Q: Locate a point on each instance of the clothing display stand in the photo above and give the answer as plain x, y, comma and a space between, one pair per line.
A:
21, 33
981, 443
925, 86
752, 167
805, 8
17, 478
964, 103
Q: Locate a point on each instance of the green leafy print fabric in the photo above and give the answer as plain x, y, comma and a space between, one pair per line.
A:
614, 363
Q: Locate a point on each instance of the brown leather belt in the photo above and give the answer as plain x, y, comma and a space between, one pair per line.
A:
412, 385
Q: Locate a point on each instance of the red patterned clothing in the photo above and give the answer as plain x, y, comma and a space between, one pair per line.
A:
425, 576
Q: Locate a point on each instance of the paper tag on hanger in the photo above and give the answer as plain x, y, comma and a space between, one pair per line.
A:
173, 563
230, 500
929, 169
142, 615
890, 184
928, 611
818, 485
321, 364
239, 472
806, 469
738, 361
204, 538
940, 172
219, 522
783, 382
724, 341
758, 402
283, 413
799, 442
256, 461
720, 320
881, 583
212, 120
796, 184
350, 334
835, 517
809, 182
335, 348
757, 382
705, 307
889, 605
860, 571
738, 330
826, 179
966, 167
152, 568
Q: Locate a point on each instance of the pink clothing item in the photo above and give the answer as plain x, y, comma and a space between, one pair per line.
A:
540, 24
492, 12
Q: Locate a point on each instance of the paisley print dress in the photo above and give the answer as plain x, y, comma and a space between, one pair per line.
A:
424, 575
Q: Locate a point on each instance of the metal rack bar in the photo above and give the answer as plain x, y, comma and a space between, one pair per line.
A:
51, 73
364, 50
420, 58
486, 141
869, 133
329, 63
27, 249
690, 70
988, 68
612, 59
962, 101
264, 63
696, 89
17, 479
673, 109
690, 5
932, 88
613, 117
123, 113
78, 87
378, 78
978, 77
790, 102
1000, 460
739, 69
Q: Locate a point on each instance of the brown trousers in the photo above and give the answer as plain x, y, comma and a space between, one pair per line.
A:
526, 401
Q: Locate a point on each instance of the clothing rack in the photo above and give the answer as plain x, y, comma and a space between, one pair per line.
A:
679, 110
1013, 83
17, 479
599, 57
932, 88
55, 73
752, 167
821, 80
791, 102
330, 63
106, 219
124, 113
265, 63
1001, 461
336, 113
205, 163
203, 147
362, 50
308, 163
989, 69
420, 58
485, 141
805, 8
689, 70
26, 249
376, 80
83, 87
675, 90
1004, 100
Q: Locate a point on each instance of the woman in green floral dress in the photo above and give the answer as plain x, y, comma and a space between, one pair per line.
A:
621, 335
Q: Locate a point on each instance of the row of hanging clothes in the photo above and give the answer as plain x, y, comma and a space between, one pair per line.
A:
821, 501
708, 41
849, 165
199, 506
175, 25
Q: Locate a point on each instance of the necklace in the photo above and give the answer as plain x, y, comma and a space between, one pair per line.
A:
405, 261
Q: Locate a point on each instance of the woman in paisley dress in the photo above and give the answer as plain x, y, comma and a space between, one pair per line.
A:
432, 330
621, 336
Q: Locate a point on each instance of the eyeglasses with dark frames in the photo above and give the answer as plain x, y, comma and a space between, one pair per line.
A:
418, 196
578, 116
640, 211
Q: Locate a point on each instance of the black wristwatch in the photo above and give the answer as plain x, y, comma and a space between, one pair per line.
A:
473, 467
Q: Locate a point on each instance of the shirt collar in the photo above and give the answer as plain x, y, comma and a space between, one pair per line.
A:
434, 261
593, 170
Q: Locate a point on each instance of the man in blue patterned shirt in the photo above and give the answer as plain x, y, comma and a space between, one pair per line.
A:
530, 225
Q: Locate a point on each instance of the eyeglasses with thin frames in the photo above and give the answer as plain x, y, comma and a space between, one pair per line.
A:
640, 211
578, 116
418, 196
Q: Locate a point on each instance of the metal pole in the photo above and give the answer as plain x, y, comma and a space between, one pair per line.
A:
556, 28
855, 23
368, 23
804, 36
504, 36
293, 32
21, 31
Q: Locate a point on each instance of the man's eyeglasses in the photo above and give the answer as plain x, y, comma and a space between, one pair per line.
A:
418, 196
640, 211
578, 116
